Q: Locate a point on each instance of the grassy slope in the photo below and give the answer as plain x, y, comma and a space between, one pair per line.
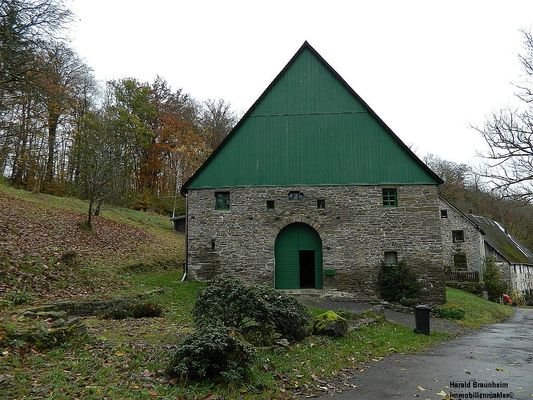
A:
39, 228
478, 311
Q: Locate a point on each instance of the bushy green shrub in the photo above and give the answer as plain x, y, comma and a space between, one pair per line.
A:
289, 317
117, 312
250, 309
212, 352
229, 302
494, 282
397, 282
449, 311
230, 315
146, 309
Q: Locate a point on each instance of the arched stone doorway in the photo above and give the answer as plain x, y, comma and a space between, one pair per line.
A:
298, 252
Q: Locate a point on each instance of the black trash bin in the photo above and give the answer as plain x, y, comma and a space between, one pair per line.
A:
422, 319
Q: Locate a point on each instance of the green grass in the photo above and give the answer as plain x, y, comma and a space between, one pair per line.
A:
112, 361
478, 311
126, 359
101, 272
118, 214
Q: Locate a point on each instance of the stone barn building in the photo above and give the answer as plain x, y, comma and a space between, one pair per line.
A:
512, 257
463, 245
311, 191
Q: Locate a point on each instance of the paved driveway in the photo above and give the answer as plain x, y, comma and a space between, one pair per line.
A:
500, 354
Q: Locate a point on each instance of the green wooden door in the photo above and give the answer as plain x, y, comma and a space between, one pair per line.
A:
292, 241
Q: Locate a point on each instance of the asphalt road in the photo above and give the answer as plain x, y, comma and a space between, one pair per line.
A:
498, 354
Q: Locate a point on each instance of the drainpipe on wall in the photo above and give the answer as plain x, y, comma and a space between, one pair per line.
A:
186, 263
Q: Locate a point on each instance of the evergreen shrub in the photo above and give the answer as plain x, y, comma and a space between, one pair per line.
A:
397, 282
212, 352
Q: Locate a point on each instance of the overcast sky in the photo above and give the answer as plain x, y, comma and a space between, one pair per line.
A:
429, 69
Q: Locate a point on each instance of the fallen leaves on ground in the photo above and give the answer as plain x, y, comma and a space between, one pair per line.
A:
34, 237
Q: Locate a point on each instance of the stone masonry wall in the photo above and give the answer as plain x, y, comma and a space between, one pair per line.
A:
473, 245
522, 278
355, 228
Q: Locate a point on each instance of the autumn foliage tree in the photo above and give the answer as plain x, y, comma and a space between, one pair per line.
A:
59, 131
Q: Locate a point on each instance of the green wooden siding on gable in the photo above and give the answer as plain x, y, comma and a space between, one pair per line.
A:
307, 87
309, 129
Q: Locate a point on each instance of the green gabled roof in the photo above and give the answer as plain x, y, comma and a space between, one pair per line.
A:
309, 127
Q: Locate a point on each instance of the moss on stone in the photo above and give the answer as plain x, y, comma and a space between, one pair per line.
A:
330, 323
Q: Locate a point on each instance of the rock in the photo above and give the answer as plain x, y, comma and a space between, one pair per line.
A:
28, 314
362, 322
58, 322
5, 378
51, 314
283, 343
330, 324
378, 310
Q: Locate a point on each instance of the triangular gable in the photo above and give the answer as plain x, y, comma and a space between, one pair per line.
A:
462, 214
309, 127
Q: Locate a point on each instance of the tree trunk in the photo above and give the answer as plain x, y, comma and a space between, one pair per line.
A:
52, 133
97, 209
90, 213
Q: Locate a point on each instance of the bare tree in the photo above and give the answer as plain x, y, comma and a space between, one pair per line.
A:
100, 158
25, 27
217, 120
509, 134
457, 177
61, 79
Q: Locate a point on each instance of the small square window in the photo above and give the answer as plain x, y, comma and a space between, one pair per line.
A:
459, 261
444, 213
321, 203
390, 198
458, 236
295, 195
391, 258
270, 204
222, 201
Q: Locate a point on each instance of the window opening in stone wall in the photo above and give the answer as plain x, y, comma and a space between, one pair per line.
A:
390, 198
391, 258
444, 213
222, 201
295, 195
458, 236
459, 261
321, 203
270, 204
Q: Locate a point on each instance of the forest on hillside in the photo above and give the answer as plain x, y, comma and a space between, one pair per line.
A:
135, 143
130, 142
